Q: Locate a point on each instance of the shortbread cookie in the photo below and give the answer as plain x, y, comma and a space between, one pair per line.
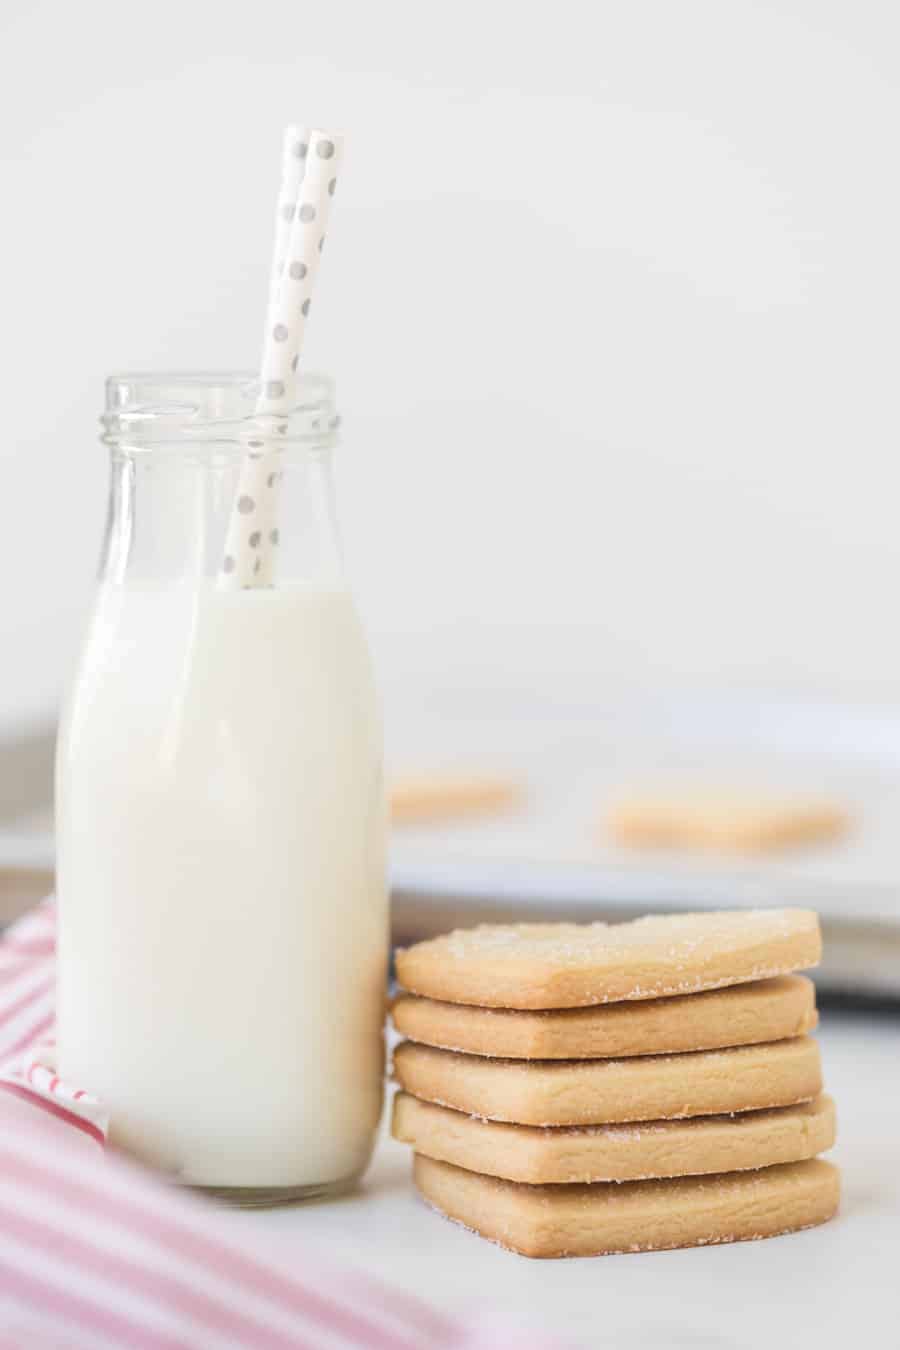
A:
745, 1014
447, 797
569, 965
634, 1216
728, 822
657, 1148
603, 1091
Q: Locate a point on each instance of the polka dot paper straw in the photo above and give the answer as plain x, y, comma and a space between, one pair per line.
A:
252, 539
293, 167
257, 564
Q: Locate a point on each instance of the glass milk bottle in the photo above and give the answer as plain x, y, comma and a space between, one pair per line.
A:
221, 831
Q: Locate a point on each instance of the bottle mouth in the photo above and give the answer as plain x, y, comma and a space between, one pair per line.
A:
148, 410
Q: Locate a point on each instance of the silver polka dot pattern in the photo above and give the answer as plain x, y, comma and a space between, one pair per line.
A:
301, 230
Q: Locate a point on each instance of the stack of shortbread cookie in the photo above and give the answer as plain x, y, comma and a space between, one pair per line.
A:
573, 1089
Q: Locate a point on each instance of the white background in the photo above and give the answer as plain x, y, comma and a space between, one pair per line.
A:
611, 293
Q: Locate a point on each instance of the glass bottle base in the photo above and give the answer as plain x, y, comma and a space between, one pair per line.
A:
267, 1197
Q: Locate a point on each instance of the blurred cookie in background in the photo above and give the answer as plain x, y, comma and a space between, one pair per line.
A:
727, 822
430, 798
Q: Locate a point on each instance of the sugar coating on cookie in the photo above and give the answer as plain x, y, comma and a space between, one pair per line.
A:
604, 1091
636, 1216
635, 1152
742, 1014
567, 965
728, 822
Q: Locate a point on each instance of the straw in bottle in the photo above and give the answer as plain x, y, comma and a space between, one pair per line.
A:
310, 168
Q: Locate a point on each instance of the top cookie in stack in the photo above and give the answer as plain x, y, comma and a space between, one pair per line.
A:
571, 965
531, 1044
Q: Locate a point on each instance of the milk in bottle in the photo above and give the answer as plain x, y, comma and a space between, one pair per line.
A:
223, 921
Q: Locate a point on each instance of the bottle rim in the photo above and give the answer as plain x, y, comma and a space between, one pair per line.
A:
147, 410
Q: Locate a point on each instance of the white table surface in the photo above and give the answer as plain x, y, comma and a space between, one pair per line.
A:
827, 1287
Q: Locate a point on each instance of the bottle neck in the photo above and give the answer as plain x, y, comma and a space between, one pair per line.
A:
169, 517
180, 450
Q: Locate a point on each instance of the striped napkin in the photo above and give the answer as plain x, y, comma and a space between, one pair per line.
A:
95, 1252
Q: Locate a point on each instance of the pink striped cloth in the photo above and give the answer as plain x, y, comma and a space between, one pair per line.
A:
95, 1252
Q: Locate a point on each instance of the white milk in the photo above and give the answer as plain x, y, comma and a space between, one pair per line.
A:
223, 918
